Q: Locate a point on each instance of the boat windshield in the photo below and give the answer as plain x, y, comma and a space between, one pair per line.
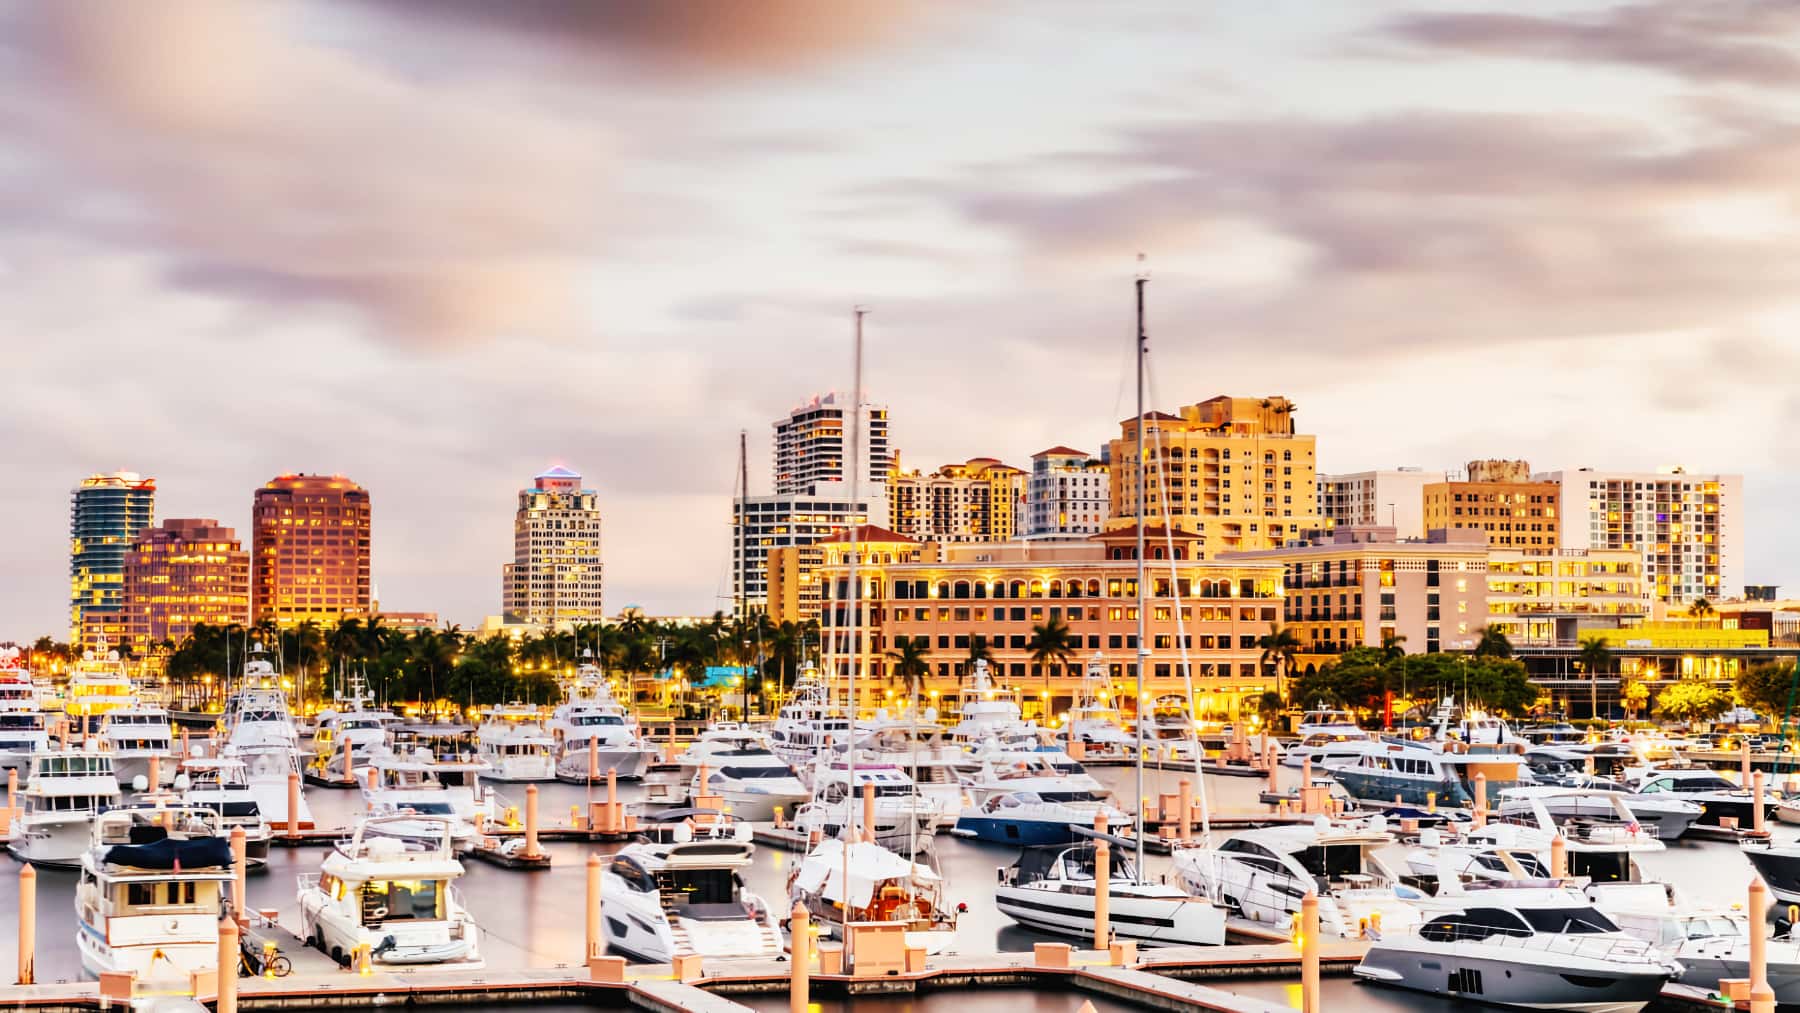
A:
1687, 784
427, 808
745, 773
401, 900
700, 886
1568, 920
593, 720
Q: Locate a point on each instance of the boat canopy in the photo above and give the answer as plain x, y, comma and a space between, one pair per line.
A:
871, 866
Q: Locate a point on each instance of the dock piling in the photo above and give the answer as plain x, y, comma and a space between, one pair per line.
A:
239, 849
531, 822
1274, 766
1481, 810
184, 747
595, 945
1762, 997
228, 966
293, 804
868, 813
1102, 894
12, 788
1559, 857
1744, 762
1309, 953
594, 765
613, 823
1759, 817
799, 960
27, 925
349, 771
1186, 811
155, 772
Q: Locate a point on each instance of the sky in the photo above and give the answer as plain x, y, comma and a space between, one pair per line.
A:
438, 246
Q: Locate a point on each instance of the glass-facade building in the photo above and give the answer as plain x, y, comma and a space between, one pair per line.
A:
106, 512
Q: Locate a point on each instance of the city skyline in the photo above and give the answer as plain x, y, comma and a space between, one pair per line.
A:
1536, 234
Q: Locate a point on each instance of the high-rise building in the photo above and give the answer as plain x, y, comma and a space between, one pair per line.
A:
106, 513
761, 524
184, 572
309, 549
1689, 527
972, 502
1231, 469
555, 575
1501, 499
1066, 495
812, 446
1394, 498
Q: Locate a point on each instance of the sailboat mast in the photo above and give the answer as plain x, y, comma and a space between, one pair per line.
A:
855, 599
743, 603
1142, 653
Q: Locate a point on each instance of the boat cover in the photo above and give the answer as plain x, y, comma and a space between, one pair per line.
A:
871, 865
202, 853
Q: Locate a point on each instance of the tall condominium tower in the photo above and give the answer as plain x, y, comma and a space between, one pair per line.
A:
976, 501
184, 572
1230, 469
812, 446
106, 512
1066, 495
555, 573
310, 549
1688, 526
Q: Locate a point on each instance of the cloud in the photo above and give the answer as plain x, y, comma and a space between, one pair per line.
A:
263, 163
1749, 42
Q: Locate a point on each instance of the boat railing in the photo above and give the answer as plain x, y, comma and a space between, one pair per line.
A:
307, 881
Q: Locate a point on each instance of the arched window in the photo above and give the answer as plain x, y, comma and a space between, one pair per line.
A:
1093, 589
943, 589
1037, 589
1016, 589
962, 589
1056, 589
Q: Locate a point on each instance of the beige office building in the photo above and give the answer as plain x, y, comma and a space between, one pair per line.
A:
976, 501
1501, 500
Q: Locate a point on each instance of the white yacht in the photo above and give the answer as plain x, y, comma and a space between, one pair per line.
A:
514, 746
97, 684
743, 772
808, 727
1025, 817
1093, 720
919, 749
1051, 889
222, 784
1046, 771
367, 731
392, 892
151, 889
134, 735
883, 887
1717, 797
24, 729
1534, 948
1326, 748
905, 821
64, 791
1169, 731
408, 785
1265, 873
592, 723
257, 715
1327, 721
667, 899
985, 711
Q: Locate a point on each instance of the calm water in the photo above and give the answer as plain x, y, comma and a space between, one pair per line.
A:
537, 919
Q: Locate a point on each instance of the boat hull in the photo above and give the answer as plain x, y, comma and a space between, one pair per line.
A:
1001, 830
626, 764
1169, 921
1524, 979
1780, 868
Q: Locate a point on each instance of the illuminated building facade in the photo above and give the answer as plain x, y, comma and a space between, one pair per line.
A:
977, 501
1230, 469
309, 550
555, 576
761, 525
1002, 591
184, 572
105, 514
1687, 527
1066, 494
1394, 498
812, 446
1502, 500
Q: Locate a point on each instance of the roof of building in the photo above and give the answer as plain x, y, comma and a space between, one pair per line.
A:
557, 471
1154, 417
1060, 451
1152, 531
870, 533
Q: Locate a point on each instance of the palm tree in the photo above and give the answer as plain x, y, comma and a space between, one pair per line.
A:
979, 651
1049, 642
912, 659
1701, 608
1493, 643
1595, 657
1279, 646
1392, 646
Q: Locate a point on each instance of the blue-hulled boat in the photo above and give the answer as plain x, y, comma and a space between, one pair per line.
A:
1029, 817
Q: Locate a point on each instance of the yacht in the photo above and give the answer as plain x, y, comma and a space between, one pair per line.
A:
743, 772
97, 684
1392, 768
1093, 720
367, 731
592, 715
920, 750
1326, 748
1553, 733
64, 791
257, 715
408, 785
668, 899
1045, 770
1778, 865
1264, 874
1327, 721
905, 821
266, 770
1028, 818
1714, 946
1717, 797
222, 784
24, 731
514, 746
1665, 816
986, 711
153, 882
134, 735
1529, 947
389, 887
883, 887
1051, 889
1169, 731
808, 726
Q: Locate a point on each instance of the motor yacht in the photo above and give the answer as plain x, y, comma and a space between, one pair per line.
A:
97, 684
743, 772
257, 715
1665, 816
986, 711
919, 749
408, 785
1327, 721
882, 887
152, 885
222, 785
1094, 722
1051, 889
1263, 874
367, 731
64, 791
592, 724
1714, 946
24, 728
514, 746
391, 889
905, 821
1778, 865
1419, 774
1527, 947
1169, 731
1326, 748
266, 770
1717, 797
668, 899
808, 726
1028, 818
1045, 770
136, 735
